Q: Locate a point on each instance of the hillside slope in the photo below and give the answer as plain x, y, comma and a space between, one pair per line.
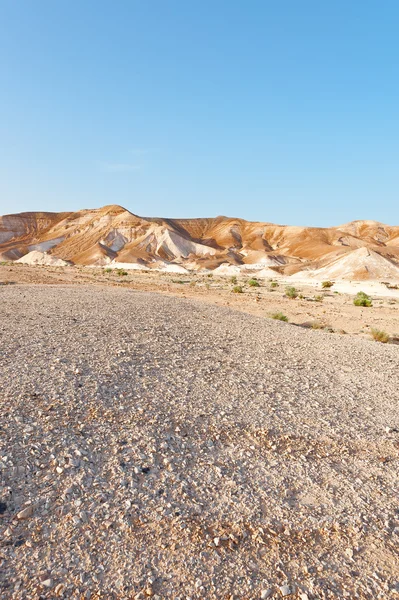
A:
112, 235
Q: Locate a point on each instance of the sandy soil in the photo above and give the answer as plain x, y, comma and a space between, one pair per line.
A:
335, 312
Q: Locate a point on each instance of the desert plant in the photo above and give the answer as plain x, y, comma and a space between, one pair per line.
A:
253, 283
210, 275
319, 298
233, 279
237, 289
121, 273
279, 316
291, 292
380, 336
274, 284
327, 284
108, 270
362, 299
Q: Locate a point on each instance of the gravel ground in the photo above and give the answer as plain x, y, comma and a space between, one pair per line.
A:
160, 447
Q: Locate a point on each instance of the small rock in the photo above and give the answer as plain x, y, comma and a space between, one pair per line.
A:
59, 470
25, 513
48, 583
216, 541
266, 593
285, 590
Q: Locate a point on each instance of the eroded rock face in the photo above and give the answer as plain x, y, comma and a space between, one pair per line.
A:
357, 250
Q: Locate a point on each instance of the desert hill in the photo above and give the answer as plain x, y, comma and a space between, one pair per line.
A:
112, 235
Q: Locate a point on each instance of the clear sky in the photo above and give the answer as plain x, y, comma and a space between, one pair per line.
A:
274, 110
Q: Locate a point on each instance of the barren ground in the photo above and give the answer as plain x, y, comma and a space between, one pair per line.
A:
336, 311
153, 446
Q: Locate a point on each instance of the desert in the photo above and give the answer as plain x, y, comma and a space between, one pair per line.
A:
164, 436
199, 300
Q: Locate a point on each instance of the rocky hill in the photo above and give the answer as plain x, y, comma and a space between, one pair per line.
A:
114, 236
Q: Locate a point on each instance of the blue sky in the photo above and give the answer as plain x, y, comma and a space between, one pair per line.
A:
274, 110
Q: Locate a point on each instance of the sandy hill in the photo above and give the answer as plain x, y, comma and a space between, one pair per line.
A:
113, 235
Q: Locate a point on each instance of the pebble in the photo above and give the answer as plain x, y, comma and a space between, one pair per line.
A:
25, 513
285, 590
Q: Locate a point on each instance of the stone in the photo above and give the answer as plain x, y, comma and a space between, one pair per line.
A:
25, 513
285, 590
266, 593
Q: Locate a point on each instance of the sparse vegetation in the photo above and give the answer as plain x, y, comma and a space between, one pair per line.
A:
326, 285
253, 283
319, 298
279, 316
380, 336
273, 284
233, 280
291, 292
121, 273
362, 299
108, 270
237, 289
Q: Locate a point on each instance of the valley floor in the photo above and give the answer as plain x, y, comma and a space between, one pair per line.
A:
155, 446
330, 309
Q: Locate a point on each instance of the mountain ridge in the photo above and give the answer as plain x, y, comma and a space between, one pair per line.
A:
113, 234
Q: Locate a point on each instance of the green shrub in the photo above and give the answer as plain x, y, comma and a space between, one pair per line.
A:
233, 279
319, 298
291, 292
380, 336
327, 284
362, 299
237, 289
253, 283
274, 284
121, 273
279, 316
108, 270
